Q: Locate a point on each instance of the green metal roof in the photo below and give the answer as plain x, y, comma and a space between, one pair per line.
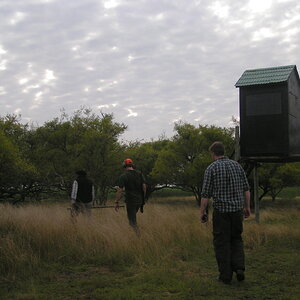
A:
265, 76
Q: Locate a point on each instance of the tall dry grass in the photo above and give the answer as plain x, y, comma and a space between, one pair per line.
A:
33, 235
276, 225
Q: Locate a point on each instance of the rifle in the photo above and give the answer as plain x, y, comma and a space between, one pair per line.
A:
75, 209
104, 206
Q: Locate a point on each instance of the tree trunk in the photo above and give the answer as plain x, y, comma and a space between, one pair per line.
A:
103, 195
265, 192
197, 195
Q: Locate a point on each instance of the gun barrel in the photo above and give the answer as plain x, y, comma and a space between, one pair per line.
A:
104, 206
107, 206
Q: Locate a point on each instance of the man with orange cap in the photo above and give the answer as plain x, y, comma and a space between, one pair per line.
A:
132, 182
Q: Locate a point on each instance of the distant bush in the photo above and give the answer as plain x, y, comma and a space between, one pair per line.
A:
290, 193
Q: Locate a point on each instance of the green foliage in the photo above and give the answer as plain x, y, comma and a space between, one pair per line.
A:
274, 177
15, 169
11, 127
43, 160
83, 141
10, 162
290, 192
183, 162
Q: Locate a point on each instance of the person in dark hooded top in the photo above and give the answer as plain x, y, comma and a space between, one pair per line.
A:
83, 193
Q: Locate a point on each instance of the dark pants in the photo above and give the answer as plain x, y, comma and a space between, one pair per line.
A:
228, 242
132, 210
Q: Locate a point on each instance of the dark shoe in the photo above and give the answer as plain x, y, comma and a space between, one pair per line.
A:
240, 276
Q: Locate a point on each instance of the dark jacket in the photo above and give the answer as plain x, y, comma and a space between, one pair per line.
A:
85, 189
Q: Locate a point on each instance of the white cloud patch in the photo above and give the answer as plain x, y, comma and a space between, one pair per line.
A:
131, 113
46, 1
220, 9
262, 34
130, 58
30, 87
291, 34
103, 106
17, 18
3, 64
258, 6
38, 96
2, 50
23, 81
2, 91
3, 61
75, 48
157, 17
48, 76
110, 4
62, 96
18, 111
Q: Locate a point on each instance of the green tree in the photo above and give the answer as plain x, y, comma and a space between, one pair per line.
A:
182, 163
53, 151
9, 166
81, 141
100, 152
16, 171
273, 177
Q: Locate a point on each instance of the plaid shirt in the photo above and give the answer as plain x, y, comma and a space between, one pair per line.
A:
226, 182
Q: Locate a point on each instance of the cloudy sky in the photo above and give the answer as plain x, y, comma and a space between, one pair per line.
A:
149, 62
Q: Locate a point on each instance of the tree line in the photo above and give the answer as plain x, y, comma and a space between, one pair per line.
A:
40, 161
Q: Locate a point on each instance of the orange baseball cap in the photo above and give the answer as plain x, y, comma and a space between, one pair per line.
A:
128, 161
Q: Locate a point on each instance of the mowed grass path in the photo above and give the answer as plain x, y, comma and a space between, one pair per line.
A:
44, 255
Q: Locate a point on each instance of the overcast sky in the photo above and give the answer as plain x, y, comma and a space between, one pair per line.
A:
149, 62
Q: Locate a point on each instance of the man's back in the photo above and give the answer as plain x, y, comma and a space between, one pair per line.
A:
85, 189
133, 181
226, 182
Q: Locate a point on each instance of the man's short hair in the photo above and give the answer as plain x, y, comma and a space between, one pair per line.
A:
217, 148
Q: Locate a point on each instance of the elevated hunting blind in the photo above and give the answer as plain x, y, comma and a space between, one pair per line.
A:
270, 114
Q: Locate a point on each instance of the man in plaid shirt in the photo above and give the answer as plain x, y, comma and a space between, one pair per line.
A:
225, 181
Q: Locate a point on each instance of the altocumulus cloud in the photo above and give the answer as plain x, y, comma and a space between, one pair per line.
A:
150, 63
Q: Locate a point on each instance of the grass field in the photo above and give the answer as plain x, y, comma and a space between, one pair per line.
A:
44, 255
